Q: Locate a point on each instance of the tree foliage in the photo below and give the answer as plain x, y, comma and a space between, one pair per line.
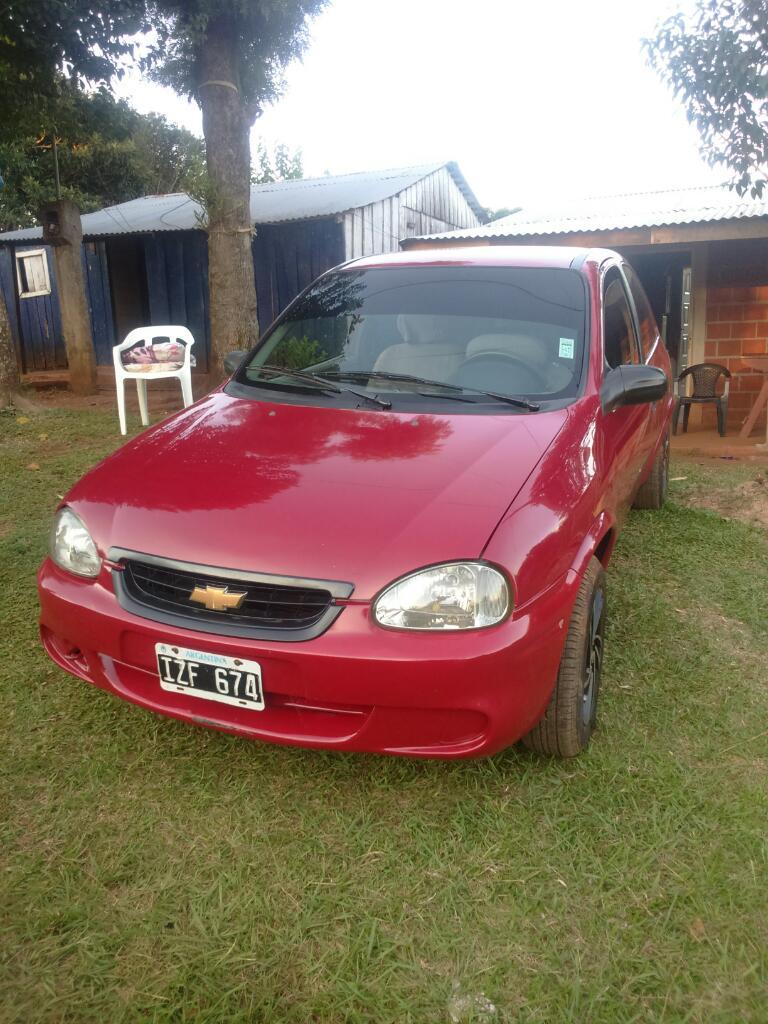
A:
268, 35
280, 165
83, 40
716, 60
94, 41
107, 154
503, 211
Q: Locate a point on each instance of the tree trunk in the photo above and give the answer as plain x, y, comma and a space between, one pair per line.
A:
75, 320
226, 127
9, 368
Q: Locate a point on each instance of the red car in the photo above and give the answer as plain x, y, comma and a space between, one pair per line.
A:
387, 531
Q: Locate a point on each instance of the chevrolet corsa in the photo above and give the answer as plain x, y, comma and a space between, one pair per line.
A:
388, 530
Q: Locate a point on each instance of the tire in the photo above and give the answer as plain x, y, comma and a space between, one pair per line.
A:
653, 493
569, 720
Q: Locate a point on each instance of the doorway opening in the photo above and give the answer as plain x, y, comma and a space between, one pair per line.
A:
666, 278
128, 284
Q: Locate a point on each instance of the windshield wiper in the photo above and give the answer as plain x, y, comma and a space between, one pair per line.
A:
517, 400
322, 384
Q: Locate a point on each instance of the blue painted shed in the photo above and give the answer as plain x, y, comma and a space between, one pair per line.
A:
146, 260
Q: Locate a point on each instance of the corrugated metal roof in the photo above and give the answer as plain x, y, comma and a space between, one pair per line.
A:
619, 212
270, 204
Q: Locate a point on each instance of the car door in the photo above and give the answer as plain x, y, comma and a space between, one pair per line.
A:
624, 429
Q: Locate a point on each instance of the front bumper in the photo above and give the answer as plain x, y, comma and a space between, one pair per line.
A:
356, 687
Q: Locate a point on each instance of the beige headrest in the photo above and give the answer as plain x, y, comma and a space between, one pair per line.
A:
427, 329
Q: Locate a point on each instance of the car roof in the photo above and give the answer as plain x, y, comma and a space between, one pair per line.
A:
561, 256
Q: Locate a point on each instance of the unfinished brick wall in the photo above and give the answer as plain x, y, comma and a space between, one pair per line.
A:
737, 324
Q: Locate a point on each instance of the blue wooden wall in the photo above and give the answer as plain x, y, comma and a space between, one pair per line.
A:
177, 284
36, 320
99, 298
287, 257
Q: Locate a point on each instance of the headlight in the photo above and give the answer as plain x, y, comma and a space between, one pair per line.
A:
72, 547
460, 595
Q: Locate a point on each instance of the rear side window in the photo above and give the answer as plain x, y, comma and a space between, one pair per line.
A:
649, 330
619, 341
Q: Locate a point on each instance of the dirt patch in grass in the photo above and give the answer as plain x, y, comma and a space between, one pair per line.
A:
747, 501
163, 396
732, 491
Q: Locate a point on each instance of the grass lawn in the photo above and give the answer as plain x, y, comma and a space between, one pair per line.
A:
154, 872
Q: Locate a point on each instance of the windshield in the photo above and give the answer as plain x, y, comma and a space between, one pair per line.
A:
469, 332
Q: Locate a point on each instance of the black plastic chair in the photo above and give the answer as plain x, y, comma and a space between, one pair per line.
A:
705, 379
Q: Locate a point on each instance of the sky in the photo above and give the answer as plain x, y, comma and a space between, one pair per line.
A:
535, 101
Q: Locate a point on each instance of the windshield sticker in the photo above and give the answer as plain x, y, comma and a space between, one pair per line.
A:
566, 348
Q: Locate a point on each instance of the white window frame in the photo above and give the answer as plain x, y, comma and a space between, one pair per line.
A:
29, 254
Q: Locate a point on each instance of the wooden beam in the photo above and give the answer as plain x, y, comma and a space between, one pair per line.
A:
760, 402
699, 282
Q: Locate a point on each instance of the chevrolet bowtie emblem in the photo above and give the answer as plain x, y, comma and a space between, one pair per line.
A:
217, 599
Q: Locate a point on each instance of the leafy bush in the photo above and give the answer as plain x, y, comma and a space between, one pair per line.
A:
297, 353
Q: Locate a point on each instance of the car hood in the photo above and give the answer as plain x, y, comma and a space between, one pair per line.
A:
361, 496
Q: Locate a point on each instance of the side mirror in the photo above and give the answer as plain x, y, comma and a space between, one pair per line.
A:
233, 359
632, 385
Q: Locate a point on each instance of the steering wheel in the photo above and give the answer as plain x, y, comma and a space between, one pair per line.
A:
496, 364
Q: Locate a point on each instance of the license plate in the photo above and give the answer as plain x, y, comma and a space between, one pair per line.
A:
210, 676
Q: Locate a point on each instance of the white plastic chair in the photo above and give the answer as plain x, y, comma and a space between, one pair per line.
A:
157, 370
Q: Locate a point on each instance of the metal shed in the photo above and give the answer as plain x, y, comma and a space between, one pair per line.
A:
146, 260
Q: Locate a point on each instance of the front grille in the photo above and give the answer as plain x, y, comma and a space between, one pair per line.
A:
167, 589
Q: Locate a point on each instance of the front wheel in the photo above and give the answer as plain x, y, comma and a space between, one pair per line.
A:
569, 720
653, 493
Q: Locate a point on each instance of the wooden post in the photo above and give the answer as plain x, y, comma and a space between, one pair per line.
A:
62, 230
698, 314
9, 368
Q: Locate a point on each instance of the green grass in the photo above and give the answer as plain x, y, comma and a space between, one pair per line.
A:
154, 872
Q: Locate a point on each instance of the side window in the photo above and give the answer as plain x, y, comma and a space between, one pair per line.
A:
619, 340
649, 329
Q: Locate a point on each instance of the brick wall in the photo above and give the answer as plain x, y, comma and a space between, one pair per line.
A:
737, 324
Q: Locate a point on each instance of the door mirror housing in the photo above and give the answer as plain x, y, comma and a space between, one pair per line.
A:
632, 385
233, 359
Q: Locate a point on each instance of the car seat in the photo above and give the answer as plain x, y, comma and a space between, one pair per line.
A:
426, 350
